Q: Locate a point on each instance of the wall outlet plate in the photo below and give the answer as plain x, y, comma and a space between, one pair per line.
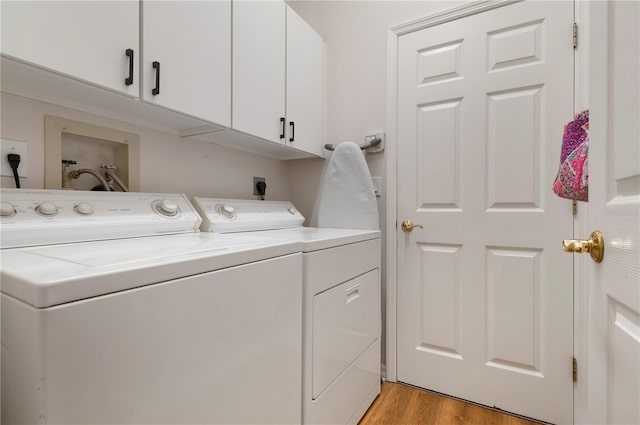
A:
13, 146
255, 181
377, 186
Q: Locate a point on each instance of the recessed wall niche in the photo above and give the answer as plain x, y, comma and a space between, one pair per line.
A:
91, 150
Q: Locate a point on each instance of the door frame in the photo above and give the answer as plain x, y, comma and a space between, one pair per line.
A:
581, 80
582, 16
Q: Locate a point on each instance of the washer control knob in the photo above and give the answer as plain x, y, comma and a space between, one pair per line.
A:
47, 208
83, 208
228, 211
7, 209
292, 211
167, 207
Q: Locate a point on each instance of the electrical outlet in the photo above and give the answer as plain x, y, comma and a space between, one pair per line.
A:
13, 146
376, 186
255, 181
378, 148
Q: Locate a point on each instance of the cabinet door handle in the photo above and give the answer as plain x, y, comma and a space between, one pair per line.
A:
283, 125
293, 131
129, 80
156, 90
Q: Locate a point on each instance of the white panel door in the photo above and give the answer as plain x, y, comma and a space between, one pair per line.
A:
259, 68
305, 85
190, 41
485, 298
613, 356
87, 40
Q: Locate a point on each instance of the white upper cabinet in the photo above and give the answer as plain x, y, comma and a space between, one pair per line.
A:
278, 75
186, 63
176, 57
259, 68
305, 85
87, 40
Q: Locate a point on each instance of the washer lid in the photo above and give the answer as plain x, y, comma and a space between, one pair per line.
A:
46, 276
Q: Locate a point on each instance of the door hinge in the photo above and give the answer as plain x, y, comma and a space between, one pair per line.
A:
575, 35
575, 370
574, 207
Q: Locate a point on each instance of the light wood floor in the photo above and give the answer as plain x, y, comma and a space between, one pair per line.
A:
400, 404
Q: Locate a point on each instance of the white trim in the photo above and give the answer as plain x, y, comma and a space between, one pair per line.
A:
460, 12
391, 166
581, 68
581, 411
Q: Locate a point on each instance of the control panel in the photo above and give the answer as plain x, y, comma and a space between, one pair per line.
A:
39, 217
239, 215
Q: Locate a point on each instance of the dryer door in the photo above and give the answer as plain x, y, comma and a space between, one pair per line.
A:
346, 320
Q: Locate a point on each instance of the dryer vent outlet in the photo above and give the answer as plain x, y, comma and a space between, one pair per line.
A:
255, 182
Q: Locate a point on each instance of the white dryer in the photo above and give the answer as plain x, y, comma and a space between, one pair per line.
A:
115, 309
341, 304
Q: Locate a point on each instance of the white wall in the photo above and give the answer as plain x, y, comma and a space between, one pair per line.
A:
355, 33
168, 163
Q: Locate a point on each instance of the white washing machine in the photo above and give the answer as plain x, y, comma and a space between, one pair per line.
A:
341, 304
115, 309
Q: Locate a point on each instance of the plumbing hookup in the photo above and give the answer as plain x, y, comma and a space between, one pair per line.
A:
107, 179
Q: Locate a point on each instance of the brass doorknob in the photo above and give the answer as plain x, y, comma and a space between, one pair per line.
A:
594, 246
408, 225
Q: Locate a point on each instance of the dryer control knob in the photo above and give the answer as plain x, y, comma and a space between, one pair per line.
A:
167, 207
7, 209
292, 211
228, 211
83, 208
47, 208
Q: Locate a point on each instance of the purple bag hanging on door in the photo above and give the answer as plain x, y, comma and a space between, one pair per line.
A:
572, 181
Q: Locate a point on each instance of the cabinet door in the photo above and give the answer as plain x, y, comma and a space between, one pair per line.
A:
259, 68
86, 40
305, 85
191, 43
